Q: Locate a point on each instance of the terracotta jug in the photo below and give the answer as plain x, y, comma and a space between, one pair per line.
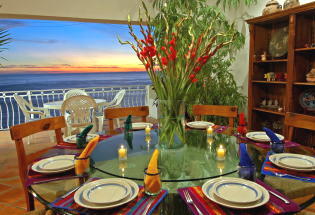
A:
272, 6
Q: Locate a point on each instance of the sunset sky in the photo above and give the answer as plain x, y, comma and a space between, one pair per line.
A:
40, 46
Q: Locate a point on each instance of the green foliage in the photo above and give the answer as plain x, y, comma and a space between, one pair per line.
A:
216, 84
191, 4
235, 3
4, 40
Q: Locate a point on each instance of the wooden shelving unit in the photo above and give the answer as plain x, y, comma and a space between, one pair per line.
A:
271, 61
304, 83
296, 63
270, 82
269, 111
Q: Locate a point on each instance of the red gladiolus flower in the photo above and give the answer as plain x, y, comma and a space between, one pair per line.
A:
193, 55
200, 59
172, 42
152, 51
197, 69
150, 39
194, 80
164, 61
147, 66
173, 53
163, 48
192, 76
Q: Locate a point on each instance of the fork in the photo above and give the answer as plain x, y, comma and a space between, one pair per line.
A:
147, 207
284, 174
190, 201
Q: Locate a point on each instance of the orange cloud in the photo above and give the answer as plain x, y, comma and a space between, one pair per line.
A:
65, 68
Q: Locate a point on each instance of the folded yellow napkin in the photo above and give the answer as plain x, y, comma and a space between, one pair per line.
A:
152, 183
89, 147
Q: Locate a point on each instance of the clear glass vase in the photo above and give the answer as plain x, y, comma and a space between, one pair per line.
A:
171, 116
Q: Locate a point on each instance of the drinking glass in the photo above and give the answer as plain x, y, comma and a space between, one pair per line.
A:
152, 183
247, 172
82, 165
277, 147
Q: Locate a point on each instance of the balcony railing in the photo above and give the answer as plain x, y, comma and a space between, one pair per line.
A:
11, 114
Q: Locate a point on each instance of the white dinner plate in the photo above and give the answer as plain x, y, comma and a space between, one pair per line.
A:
141, 125
296, 161
261, 136
207, 189
275, 160
199, 124
106, 191
78, 197
73, 138
228, 189
56, 164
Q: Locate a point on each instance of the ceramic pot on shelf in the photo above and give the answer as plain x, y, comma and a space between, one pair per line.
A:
290, 3
272, 6
310, 77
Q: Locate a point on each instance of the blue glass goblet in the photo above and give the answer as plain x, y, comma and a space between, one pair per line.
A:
277, 147
247, 172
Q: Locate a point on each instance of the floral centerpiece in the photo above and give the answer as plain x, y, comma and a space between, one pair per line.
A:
173, 65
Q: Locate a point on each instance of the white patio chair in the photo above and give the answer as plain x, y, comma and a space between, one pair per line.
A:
80, 111
116, 102
29, 111
74, 92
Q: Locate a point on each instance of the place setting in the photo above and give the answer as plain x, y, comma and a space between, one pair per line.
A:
57, 167
262, 139
113, 195
230, 195
79, 141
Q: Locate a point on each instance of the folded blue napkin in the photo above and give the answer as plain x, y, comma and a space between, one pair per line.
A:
245, 159
273, 137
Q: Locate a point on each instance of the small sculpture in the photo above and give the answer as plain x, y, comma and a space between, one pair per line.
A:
272, 6
280, 76
264, 56
290, 3
263, 103
310, 77
269, 103
270, 76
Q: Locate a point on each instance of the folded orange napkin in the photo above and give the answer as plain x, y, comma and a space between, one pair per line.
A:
89, 147
152, 183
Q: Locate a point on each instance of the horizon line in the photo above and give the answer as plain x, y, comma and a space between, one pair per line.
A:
57, 72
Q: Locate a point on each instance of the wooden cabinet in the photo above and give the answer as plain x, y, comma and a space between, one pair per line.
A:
282, 52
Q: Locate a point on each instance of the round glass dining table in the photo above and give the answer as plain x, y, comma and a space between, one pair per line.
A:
190, 164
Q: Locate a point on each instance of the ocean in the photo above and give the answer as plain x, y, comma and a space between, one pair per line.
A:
16, 82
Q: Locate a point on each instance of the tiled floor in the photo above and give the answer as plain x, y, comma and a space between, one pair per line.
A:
11, 193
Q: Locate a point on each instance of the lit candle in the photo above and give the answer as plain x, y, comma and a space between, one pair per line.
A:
210, 141
148, 139
147, 130
209, 130
221, 153
122, 153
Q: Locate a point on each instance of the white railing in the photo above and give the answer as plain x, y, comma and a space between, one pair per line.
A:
10, 113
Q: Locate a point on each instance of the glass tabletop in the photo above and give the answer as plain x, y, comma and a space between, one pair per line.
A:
106, 154
192, 161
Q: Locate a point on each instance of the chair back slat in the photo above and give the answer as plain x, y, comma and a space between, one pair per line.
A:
24, 130
216, 110
113, 113
294, 120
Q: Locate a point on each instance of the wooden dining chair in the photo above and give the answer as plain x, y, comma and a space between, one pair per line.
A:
294, 120
18, 132
215, 110
114, 113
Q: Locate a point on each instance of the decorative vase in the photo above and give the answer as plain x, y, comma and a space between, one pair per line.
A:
310, 77
171, 116
290, 3
272, 6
